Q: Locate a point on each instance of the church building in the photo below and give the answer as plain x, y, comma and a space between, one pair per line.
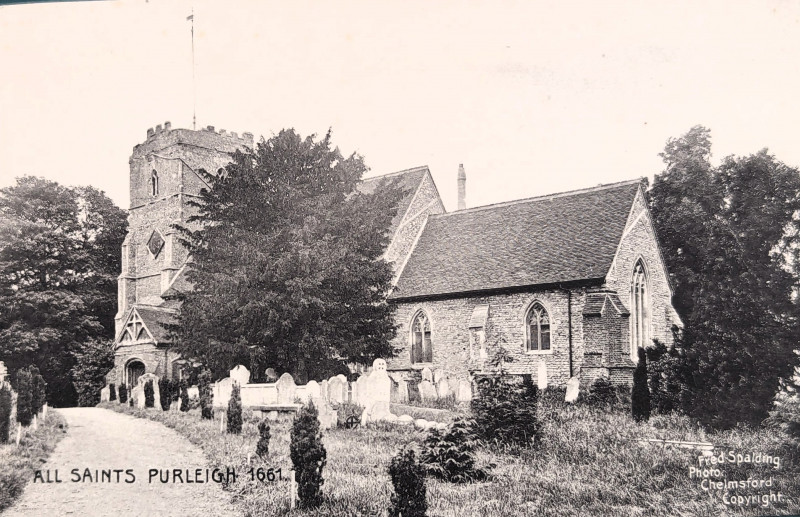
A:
568, 284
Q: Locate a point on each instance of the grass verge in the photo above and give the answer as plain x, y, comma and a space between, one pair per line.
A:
17, 464
590, 463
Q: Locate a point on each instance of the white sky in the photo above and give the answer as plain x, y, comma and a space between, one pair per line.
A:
533, 97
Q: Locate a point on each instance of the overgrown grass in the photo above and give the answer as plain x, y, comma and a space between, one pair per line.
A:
17, 464
591, 462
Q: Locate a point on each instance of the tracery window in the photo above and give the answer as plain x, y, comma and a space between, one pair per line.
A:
640, 309
537, 324
421, 347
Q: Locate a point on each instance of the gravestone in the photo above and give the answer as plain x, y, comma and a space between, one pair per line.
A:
156, 394
464, 391
399, 393
323, 390
376, 412
271, 374
313, 391
427, 375
287, 389
376, 387
443, 388
438, 375
222, 392
105, 394
427, 391
241, 375
326, 415
541, 377
573, 386
336, 390
137, 395
360, 390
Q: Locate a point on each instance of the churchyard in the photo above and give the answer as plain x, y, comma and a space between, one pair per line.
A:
592, 460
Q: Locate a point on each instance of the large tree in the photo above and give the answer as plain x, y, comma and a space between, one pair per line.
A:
286, 262
728, 234
59, 259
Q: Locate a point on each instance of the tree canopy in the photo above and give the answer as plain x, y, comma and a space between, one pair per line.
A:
59, 259
729, 236
286, 262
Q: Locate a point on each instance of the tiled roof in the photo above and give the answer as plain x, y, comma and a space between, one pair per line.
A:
409, 180
155, 321
565, 237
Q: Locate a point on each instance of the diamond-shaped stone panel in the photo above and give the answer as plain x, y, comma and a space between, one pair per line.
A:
155, 243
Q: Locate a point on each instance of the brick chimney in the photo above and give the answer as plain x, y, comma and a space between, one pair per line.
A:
462, 187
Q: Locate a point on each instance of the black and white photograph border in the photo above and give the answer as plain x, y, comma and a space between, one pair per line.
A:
447, 259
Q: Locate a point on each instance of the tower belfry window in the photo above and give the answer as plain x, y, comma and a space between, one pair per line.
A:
154, 183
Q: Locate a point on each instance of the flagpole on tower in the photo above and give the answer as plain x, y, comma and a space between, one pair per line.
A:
194, 85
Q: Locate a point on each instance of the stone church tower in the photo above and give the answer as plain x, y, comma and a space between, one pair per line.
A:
166, 171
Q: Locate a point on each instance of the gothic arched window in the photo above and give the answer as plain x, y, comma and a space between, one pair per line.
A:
154, 183
640, 309
537, 325
421, 347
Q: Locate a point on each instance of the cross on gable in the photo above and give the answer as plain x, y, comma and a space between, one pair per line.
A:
135, 329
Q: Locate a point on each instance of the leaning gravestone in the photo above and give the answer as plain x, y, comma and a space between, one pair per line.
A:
287, 389
241, 375
573, 386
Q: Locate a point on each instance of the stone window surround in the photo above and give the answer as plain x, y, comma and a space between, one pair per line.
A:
419, 365
526, 339
647, 331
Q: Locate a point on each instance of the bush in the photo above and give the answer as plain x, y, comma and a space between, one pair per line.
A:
123, 394
235, 410
784, 416
345, 410
206, 396
175, 390
450, 456
24, 387
308, 456
149, 394
112, 392
164, 394
184, 396
262, 447
39, 390
5, 412
601, 392
408, 480
640, 395
505, 412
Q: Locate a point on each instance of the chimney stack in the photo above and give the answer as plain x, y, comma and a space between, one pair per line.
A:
462, 187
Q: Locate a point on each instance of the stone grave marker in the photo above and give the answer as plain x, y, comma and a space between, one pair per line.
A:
427, 391
438, 375
241, 375
313, 391
271, 374
427, 375
323, 390
105, 394
336, 390
287, 389
541, 377
464, 393
573, 386
443, 388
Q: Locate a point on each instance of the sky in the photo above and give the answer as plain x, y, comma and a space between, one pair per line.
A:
532, 97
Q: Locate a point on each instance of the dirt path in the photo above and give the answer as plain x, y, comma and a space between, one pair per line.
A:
101, 439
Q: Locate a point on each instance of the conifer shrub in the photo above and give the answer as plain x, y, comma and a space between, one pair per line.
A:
164, 394
450, 455
38, 391
149, 394
123, 394
505, 412
601, 392
235, 410
640, 394
175, 390
206, 395
184, 396
5, 412
24, 387
112, 392
408, 481
262, 447
308, 456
